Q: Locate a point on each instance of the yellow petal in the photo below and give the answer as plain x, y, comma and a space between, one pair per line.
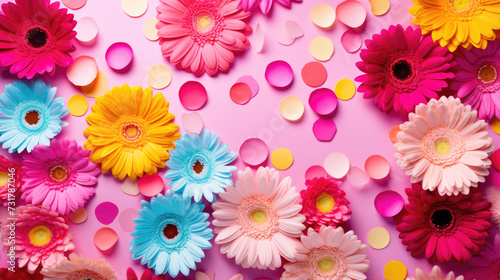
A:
449, 30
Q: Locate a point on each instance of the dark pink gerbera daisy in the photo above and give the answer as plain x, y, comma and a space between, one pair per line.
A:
444, 227
35, 36
10, 181
403, 69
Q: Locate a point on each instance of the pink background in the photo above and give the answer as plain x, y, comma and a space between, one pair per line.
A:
362, 128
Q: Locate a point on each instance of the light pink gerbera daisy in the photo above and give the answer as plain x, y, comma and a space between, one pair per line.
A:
42, 236
60, 177
444, 146
264, 5
10, 180
436, 274
258, 221
324, 203
487, 264
202, 35
78, 268
330, 254
35, 36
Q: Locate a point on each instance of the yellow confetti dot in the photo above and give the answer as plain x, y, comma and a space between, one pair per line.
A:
292, 108
282, 158
395, 270
345, 89
495, 124
380, 7
323, 15
149, 29
134, 8
159, 76
379, 238
321, 48
98, 87
78, 105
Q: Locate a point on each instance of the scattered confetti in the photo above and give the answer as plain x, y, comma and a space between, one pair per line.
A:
345, 89
351, 13
134, 8
380, 7
389, 203
98, 87
495, 159
105, 238
377, 167
293, 29
314, 74
86, 31
279, 74
351, 41
323, 15
78, 105
324, 129
292, 108
393, 133
357, 177
130, 187
192, 122
79, 216
283, 37
193, 95
337, 165
74, 4
150, 185
149, 29
321, 48
282, 158
251, 82
106, 212
395, 270
126, 219
259, 38
119, 55
315, 171
240, 93
159, 76
254, 151
83, 71
323, 101
378, 238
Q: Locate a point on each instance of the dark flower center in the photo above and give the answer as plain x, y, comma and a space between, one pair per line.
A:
170, 231
402, 70
32, 117
58, 173
198, 167
37, 37
487, 74
442, 218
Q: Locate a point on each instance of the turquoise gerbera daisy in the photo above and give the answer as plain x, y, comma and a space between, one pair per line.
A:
31, 115
170, 234
199, 166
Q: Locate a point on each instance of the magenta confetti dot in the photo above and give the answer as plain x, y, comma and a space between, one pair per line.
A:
279, 74
254, 151
119, 55
324, 129
193, 95
351, 41
389, 203
323, 101
316, 171
106, 212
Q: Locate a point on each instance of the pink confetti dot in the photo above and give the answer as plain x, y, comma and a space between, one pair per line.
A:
193, 95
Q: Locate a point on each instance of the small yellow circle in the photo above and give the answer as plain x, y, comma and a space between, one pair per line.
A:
259, 216
325, 203
321, 48
495, 124
395, 270
98, 87
159, 76
292, 108
282, 158
326, 264
442, 147
379, 238
323, 15
149, 29
78, 105
40, 236
4, 178
345, 89
460, 5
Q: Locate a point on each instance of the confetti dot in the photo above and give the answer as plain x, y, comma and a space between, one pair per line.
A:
149, 29
150, 185
316, 171
240, 93
380, 7
395, 270
86, 31
389, 203
282, 158
159, 76
126, 219
323, 15
351, 41
323, 101
130, 187
106, 212
192, 122
78, 105
74, 4
291, 108
351, 13
337, 165
283, 37
119, 56
357, 177
105, 238
279, 74
324, 129
193, 95
134, 8
378, 238
98, 87
495, 124
377, 167
393, 133
79, 216
83, 71
253, 151
345, 89
314, 74
321, 48
251, 82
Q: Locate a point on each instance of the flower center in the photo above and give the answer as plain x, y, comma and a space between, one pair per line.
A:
37, 37
442, 147
32, 117
460, 5
85, 274
40, 236
325, 203
487, 74
402, 70
198, 167
131, 131
442, 218
326, 264
4, 178
204, 24
259, 216
171, 231
58, 173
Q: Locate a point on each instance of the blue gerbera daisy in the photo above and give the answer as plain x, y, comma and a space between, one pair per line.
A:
31, 115
199, 166
170, 234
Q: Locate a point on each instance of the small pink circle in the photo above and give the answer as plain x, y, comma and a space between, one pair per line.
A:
150, 185
240, 93
316, 171
324, 129
377, 167
193, 95
119, 55
389, 203
279, 74
106, 212
323, 101
251, 82
74, 4
254, 151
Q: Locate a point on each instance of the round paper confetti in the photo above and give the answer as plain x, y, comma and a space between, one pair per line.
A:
78, 105
106, 212
337, 165
314, 74
357, 177
150, 185
389, 203
254, 151
105, 238
292, 108
149, 29
240, 93
251, 82
130, 187
192, 122
79, 216
83, 71
86, 30
126, 219
393, 133
323, 101
134, 8
351, 13
495, 124
395, 270
495, 159
345, 89
283, 37
74, 4
98, 87
316, 171
377, 167
119, 55
380, 7
324, 129
279, 74
159, 76
282, 158
293, 29
321, 48
351, 41
378, 238
323, 15
193, 95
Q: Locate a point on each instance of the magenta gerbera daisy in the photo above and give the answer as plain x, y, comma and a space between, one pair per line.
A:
403, 69
35, 36
486, 265
476, 80
444, 227
202, 35
258, 221
60, 177
324, 203
41, 237
10, 181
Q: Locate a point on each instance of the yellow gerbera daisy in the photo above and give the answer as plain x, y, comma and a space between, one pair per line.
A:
130, 131
455, 23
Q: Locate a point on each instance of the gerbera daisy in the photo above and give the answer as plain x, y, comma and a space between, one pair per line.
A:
31, 115
35, 36
10, 180
130, 131
444, 227
324, 203
455, 23
202, 35
403, 69
60, 177
493, 196
170, 234
42, 236
436, 274
477, 80
199, 166
146, 275
77, 268
258, 220
329, 254
444, 146
264, 5
19, 274
486, 265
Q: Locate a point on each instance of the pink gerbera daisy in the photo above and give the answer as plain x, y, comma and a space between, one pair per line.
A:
324, 203
41, 237
436, 274
35, 36
78, 268
60, 176
258, 220
486, 265
444, 227
330, 254
444, 146
264, 5
493, 195
202, 35
10, 180
403, 69
477, 80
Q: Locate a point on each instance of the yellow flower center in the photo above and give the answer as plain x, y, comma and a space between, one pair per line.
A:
460, 5
325, 203
259, 216
131, 131
58, 173
326, 264
40, 236
4, 178
32, 117
442, 147
487, 74
204, 24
